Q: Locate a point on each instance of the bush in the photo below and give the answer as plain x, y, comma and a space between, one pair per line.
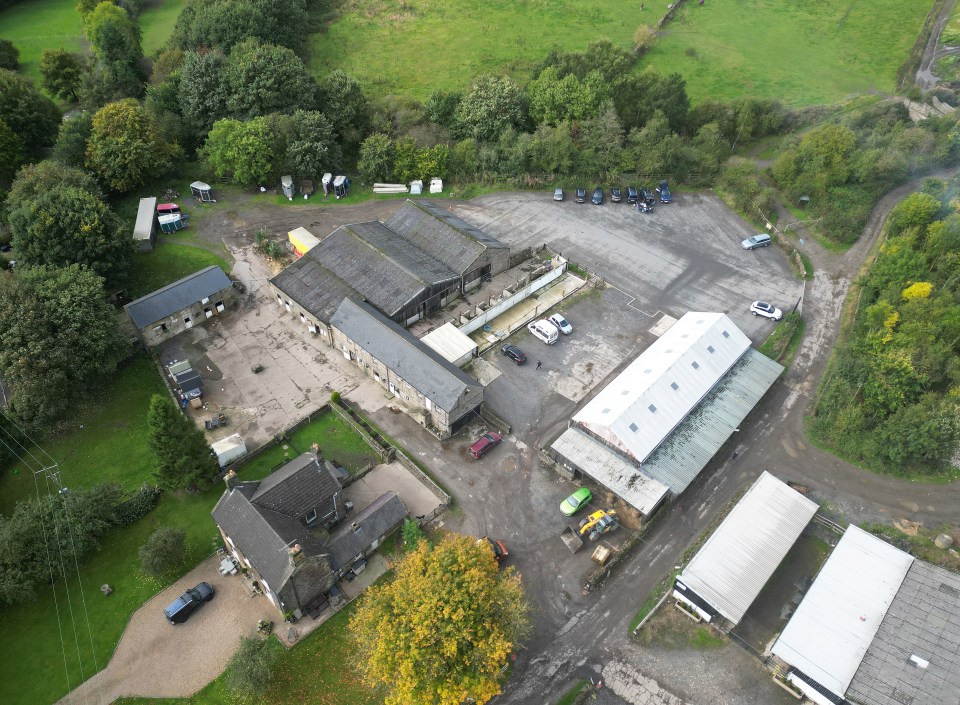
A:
137, 506
250, 669
163, 551
412, 535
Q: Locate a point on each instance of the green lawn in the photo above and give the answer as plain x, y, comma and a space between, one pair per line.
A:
112, 446
397, 47
319, 670
803, 53
35, 25
169, 262
950, 36
156, 22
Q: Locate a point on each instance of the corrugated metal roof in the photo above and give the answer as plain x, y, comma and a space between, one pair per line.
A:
143, 228
923, 622
435, 378
741, 555
645, 402
839, 616
611, 470
681, 457
192, 289
449, 342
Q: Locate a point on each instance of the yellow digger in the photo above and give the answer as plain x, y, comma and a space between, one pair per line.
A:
598, 523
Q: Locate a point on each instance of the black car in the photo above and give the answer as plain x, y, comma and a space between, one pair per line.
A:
514, 353
646, 196
597, 196
664, 190
631, 194
188, 603
615, 194
4, 248
581, 195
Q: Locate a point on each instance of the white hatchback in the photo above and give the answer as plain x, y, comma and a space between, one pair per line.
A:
561, 323
762, 308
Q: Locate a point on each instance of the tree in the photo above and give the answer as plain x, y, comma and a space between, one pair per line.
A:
639, 96
9, 55
126, 147
57, 337
34, 180
163, 551
11, 154
554, 99
184, 460
203, 91
31, 116
115, 39
440, 632
243, 150
442, 107
265, 78
552, 150
67, 225
61, 73
250, 668
222, 24
601, 143
312, 149
490, 106
71, 147
376, 158
916, 210
343, 101
643, 38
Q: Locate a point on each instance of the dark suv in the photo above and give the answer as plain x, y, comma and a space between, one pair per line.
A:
581, 195
632, 194
188, 603
615, 194
597, 196
514, 353
646, 196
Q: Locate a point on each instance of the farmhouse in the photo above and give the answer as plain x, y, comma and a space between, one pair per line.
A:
669, 411
408, 268
877, 627
726, 575
434, 391
160, 315
276, 528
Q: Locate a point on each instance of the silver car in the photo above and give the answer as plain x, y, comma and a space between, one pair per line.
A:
758, 240
558, 194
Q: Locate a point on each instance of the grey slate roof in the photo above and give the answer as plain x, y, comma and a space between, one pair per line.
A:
298, 487
164, 302
313, 286
433, 229
374, 520
386, 270
440, 381
923, 621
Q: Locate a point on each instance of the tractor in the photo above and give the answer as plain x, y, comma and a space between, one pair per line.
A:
598, 523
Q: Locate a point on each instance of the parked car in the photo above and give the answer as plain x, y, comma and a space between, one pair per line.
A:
189, 602
632, 194
575, 502
644, 206
561, 323
762, 308
5, 247
597, 196
488, 440
646, 196
663, 190
758, 240
615, 194
558, 194
581, 195
499, 548
514, 353
544, 330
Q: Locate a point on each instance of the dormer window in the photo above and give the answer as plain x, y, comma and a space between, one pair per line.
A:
311, 516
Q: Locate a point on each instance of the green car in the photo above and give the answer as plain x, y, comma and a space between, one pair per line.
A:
575, 502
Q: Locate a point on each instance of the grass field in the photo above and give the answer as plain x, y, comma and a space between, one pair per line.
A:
802, 53
35, 25
171, 260
112, 446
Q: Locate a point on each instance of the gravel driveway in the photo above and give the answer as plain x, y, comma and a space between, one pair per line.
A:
157, 659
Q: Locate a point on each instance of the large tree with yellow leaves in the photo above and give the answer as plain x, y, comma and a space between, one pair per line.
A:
442, 629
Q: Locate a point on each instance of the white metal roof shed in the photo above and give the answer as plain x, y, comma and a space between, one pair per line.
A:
741, 555
832, 628
645, 402
611, 470
452, 344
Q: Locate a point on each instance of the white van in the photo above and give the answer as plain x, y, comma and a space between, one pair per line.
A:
545, 330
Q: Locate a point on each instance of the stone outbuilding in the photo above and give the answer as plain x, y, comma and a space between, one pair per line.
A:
288, 531
435, 392
190, 301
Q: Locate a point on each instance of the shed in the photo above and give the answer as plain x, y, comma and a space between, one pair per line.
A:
302, 240
189, 383
229, 449
452, 344
202, 192
145, 230
288, 187
737, 560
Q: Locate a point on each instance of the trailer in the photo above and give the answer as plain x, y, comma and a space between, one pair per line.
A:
341, 186
572, 539
327, 183
288, 187
172, 222
202, 192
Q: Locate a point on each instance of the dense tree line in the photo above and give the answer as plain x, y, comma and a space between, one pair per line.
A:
889, 399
